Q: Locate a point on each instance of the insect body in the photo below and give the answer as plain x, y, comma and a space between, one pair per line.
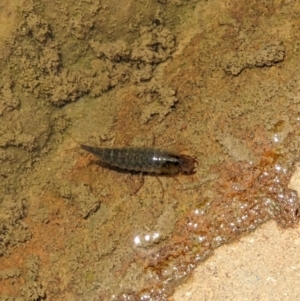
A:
148, 160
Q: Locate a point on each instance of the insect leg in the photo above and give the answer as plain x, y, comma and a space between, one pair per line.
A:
141, 178
153, 140
175, 179
162, 187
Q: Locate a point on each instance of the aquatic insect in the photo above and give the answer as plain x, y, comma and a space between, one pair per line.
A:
144, 160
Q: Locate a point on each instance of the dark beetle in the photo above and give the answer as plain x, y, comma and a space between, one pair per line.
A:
145, 160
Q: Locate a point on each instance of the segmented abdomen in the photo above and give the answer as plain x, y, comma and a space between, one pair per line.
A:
137, 159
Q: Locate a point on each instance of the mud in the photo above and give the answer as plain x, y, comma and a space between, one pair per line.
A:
213, 80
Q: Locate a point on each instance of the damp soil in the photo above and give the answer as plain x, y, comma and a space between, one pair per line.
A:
218, 81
